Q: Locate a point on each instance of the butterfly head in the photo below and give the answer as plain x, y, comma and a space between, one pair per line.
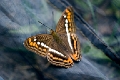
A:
52, 32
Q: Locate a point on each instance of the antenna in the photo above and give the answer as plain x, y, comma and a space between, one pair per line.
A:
43, 24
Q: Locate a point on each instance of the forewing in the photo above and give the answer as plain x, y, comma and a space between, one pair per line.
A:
34, 43
66, 18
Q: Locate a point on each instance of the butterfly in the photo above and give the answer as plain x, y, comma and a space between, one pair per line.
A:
62, 46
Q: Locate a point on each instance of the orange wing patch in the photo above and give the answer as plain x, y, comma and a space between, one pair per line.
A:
68, 15
32, 43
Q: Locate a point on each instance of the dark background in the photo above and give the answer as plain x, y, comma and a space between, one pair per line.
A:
100, 40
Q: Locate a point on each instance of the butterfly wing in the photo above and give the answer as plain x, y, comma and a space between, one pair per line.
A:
45, 45
57, 55
66, 26
67, 16
33, 43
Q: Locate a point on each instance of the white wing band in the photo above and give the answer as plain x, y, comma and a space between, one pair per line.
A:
50, 49
68, 34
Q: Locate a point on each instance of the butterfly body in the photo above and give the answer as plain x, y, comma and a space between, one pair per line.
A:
61, 46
